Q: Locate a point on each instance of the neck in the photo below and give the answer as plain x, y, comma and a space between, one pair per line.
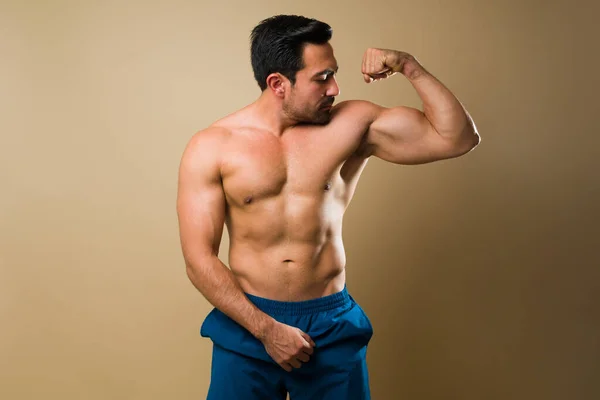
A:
269, 110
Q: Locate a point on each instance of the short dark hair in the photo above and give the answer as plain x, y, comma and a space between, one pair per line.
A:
278, 43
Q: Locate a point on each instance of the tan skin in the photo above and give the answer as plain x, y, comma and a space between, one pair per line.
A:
282, 171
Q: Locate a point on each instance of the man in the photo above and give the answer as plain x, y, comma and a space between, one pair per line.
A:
280, 173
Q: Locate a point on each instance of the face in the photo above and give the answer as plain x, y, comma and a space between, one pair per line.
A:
310, 99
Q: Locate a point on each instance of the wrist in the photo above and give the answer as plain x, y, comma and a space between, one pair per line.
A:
407, 65
263, 325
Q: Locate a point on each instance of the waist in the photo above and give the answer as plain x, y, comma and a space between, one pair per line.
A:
248, 252
288, 273
304, 307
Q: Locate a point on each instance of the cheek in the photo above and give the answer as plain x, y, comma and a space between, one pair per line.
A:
315, 95
310, 97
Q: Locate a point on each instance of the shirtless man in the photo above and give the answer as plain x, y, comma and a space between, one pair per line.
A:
280, 173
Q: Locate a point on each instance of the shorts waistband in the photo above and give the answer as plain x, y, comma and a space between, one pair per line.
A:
325, 303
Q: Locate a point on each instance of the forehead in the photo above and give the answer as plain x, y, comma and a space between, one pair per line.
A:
318, 57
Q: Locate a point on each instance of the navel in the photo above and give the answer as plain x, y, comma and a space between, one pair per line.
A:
327, 186
248, 199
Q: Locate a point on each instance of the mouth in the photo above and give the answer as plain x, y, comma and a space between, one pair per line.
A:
327, 106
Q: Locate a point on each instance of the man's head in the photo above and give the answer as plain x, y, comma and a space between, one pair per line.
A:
292, 57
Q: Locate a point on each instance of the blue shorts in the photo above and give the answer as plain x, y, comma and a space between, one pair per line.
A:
242, 369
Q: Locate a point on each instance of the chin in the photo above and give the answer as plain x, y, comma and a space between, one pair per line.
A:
322, 118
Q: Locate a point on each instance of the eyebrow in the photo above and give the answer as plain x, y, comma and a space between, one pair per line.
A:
327, 71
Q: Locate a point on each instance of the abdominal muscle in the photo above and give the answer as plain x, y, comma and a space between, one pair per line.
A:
272, 259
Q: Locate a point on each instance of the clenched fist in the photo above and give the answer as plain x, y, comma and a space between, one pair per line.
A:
287, 345
382, 63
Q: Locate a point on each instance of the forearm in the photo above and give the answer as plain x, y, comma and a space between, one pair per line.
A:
218, 285
443, 110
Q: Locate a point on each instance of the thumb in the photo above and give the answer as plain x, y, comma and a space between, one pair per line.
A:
367, 78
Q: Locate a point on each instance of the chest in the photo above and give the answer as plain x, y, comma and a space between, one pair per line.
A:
261, 166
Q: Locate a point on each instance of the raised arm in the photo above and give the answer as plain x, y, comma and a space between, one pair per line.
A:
405, 135
201, 213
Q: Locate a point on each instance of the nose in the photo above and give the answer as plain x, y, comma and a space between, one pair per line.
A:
333, 89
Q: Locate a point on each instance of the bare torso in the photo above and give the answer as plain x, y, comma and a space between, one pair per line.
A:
286, 197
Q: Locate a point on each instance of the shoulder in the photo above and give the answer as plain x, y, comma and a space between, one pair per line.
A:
212, 138
209, 138
357, 111
354, 118
204, 148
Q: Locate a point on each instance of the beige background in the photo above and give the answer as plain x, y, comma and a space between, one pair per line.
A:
480, 274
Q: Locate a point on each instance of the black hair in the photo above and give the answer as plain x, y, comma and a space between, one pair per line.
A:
278, 43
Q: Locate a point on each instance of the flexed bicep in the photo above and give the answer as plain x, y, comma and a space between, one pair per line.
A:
403, 135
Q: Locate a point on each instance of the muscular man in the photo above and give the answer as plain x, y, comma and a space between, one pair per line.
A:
280, 173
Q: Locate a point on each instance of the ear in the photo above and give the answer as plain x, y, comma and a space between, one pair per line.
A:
277, 83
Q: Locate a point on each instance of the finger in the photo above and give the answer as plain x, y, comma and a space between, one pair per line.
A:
377, 65
295, 363
370, 62
364, 62
308, 338
286, 366
367, 78
306, 346
380, 63
378, 77
303, 357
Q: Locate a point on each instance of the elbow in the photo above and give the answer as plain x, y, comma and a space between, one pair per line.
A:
466, 143
194, 267
191, 270
470, 139
472, 134
474, 139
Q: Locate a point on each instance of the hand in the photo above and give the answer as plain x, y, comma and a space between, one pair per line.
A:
381, 63
287, 345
